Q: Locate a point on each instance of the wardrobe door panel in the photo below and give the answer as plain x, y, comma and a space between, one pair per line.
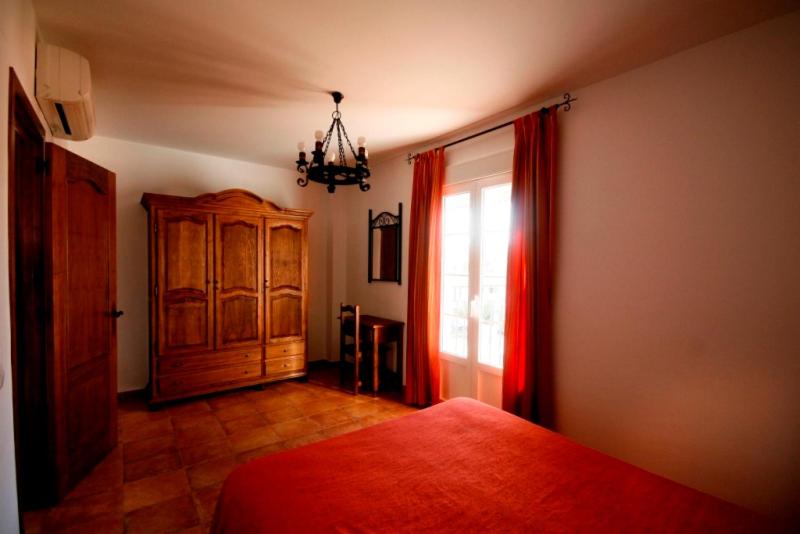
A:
286, 316
185, 252
238, 320
186, 321
286, 256
185, 266
238, 280
286, 281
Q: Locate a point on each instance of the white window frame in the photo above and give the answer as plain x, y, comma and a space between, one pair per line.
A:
473, 187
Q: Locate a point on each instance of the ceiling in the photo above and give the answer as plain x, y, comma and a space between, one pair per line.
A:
248, 79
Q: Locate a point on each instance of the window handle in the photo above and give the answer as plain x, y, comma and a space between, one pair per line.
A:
475, 307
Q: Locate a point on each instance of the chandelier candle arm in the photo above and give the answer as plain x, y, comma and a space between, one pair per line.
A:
331, 173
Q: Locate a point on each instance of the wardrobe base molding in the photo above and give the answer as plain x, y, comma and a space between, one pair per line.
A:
157, 399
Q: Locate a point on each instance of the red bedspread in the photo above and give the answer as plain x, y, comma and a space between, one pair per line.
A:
461, 466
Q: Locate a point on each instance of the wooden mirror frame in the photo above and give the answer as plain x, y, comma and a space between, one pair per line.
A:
383, 219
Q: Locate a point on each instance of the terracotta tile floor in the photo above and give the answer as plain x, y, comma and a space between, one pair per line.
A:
167, 471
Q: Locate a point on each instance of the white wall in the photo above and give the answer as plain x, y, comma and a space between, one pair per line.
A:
17, 48
145, 168
677, 341
387, 299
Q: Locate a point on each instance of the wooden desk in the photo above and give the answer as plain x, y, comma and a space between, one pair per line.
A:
381, 330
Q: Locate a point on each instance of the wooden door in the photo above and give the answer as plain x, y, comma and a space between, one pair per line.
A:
83, 270
286, 281
238, 280
183, 286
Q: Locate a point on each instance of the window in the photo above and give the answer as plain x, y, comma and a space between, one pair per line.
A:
455, 274
495, 215
475, 230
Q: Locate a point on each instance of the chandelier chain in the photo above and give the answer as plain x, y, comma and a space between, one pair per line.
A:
348, 142
328, 137
342, 156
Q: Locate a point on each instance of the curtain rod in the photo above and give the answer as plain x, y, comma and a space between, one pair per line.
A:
567, 103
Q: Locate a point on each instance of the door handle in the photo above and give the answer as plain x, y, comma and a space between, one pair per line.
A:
117, 313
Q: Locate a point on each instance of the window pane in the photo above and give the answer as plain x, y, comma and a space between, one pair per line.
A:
455, 254
454, 336
491, 344
455, 274
455, 295
495, 219
456, 214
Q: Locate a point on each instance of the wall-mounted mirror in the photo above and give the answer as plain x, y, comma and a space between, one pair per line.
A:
385, 244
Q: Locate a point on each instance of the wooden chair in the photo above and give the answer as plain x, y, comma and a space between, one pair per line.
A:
350, 327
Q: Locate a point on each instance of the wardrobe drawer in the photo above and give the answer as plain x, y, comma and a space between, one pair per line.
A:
285, 365
286, 349
197, 362
179, 383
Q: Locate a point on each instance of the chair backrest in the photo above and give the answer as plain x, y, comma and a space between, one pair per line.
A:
350, 324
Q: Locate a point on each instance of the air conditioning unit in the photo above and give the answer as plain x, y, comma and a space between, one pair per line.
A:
64, 92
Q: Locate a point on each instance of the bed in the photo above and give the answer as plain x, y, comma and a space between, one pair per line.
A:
461, 466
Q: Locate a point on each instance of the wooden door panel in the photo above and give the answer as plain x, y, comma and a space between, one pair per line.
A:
286, 281
239, 253
286, 257
238, 280
185, 265
83, 225
286, 313
88, 393
185, 253
186, 323
89, 304
239, 316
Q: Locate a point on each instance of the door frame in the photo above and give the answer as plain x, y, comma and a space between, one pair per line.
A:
21, 113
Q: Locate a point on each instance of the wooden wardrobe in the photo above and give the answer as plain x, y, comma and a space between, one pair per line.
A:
228, 292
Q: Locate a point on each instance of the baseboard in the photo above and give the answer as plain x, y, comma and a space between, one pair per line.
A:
132, 394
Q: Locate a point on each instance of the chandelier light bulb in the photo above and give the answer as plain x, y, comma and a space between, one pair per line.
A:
332, 157
318, 135
301, 146
366, 153
362, 141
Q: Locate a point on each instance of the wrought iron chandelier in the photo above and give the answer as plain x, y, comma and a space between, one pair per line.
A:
323, 168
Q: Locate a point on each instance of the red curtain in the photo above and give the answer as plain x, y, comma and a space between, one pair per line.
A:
528, 362
424, 260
